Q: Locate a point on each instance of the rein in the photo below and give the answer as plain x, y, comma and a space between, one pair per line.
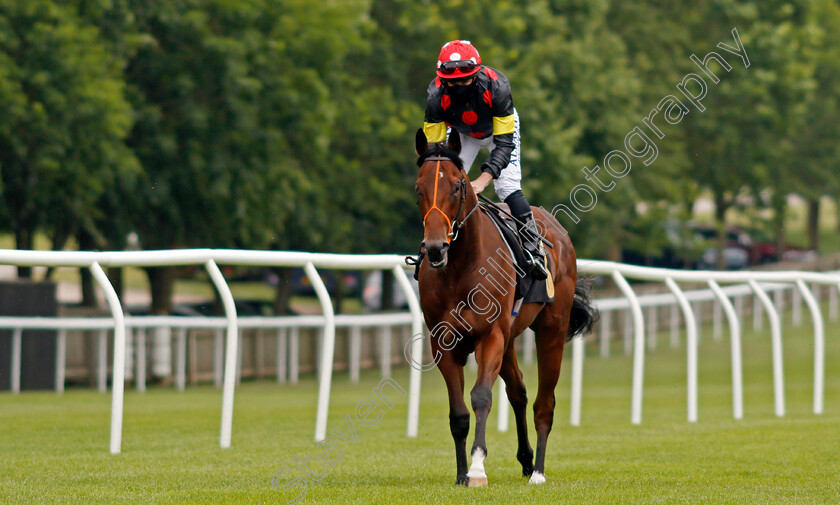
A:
456, 225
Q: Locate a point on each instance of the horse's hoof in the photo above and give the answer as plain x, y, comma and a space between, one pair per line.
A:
461, 481
477, 481
537, 478
526, 459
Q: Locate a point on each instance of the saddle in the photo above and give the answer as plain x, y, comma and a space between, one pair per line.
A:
527, 288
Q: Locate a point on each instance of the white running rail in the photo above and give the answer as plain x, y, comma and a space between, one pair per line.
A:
739, 284
757, 282
210, 258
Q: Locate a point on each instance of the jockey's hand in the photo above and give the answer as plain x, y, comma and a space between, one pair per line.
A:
479, 184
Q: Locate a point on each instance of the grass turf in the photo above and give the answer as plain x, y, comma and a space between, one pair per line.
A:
54, 449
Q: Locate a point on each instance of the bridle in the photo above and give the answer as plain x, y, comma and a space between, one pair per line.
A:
456, 224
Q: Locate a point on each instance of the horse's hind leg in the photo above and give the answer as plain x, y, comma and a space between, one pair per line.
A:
515, 388
550, 339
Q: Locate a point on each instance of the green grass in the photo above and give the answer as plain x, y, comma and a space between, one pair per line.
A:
54, 449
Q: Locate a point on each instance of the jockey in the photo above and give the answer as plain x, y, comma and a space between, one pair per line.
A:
476, 101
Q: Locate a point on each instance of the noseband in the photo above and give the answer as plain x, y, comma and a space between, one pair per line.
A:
456, 224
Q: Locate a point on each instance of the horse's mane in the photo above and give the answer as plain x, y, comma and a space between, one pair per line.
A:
442, 150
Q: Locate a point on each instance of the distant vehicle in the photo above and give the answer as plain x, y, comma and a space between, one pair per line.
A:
692, 245
757, 245
764, 249
352, 281
681, 249
372, 292
735, 255
734, 258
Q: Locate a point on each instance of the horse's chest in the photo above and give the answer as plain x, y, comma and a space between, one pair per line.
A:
471, 312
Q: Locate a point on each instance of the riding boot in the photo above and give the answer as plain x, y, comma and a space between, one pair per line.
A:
532, 243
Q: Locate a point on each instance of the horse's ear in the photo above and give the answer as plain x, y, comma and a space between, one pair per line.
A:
421, 144
455, 141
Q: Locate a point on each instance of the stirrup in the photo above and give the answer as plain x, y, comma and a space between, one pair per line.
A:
537, 263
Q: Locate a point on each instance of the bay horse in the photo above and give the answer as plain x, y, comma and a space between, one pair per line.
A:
467, 296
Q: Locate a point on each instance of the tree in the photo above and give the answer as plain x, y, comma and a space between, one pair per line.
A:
578, 98
739, 135
65, 118
248, 116
812, 166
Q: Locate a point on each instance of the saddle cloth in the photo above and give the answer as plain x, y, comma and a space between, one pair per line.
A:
531, 290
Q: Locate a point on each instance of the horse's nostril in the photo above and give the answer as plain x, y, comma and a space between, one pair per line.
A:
436, 250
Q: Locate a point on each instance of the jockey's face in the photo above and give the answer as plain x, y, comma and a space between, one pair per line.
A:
466, 81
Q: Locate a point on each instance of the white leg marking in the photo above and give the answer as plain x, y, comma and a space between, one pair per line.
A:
537, 478
477, 466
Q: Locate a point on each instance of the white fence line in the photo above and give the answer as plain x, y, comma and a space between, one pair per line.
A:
210, 258
619, 271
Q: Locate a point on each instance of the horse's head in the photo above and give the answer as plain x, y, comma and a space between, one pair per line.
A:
441, 188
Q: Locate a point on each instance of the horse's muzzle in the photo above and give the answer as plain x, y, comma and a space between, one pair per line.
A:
436, 253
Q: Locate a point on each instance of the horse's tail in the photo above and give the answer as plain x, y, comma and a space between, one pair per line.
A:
584, 313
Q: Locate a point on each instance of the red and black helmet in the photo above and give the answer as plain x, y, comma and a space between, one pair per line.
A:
458, 59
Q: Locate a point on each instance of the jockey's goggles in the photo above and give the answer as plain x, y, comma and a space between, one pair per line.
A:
449, 67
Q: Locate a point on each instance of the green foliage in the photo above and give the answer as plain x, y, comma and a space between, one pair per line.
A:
65, 119
813, 164
288, 124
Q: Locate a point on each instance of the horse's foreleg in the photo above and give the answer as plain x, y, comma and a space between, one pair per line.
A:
515, 388
549, 356
489, 357
459, 415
